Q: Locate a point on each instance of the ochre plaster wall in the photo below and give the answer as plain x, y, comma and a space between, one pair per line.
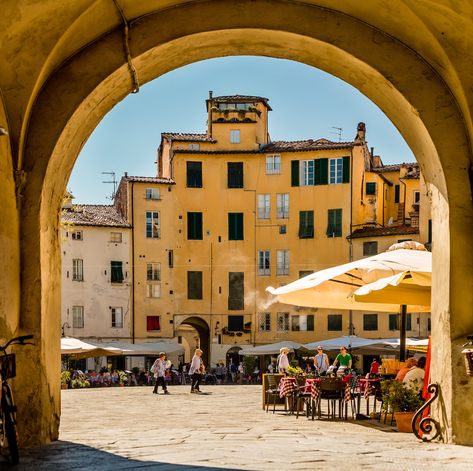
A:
53, 105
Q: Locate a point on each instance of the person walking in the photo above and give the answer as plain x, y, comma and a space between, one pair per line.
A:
283, 360
321, 362
195, 371
159, 371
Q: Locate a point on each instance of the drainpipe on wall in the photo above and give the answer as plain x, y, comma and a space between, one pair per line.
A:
132, 266
383, 201
350, 246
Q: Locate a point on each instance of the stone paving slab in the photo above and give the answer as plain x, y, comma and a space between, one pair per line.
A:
111, 429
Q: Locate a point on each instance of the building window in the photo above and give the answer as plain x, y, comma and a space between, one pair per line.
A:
334, 226
397, 193
235, 136
117, 317
235, 323
78, 317
336, 171
264, 321
171, 259
370, 321
77, 269
416, 197
153, 323
395, 322
77, 235
334, 322
282, 263
153, 272
370, 248
282, 205
235, 174
283, 322
370, 188
264, 263
428, 324
153, 230
116, 237
235, 226
194, 146
282, 229
194, 285
153, 290
303, 273
194, 226
306, 224
152, 193
264, 206
194, 174
273, 164
307, 172
302, 323
116, 272
236, 291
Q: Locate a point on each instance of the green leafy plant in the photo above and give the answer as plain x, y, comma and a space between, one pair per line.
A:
122, 377
398, 398
294, 370
249, 364
65, 377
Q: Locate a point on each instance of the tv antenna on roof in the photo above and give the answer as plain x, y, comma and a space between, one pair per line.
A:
338, 132
113, 181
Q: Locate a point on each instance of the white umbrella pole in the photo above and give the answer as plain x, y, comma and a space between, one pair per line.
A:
402, 353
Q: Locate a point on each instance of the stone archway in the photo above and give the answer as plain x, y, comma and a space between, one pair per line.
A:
203, 330
397, 56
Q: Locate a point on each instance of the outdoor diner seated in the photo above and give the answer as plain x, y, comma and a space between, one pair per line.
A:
411, 362
414, 378
343, 358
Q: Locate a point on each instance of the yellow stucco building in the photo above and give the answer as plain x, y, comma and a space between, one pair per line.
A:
232, 212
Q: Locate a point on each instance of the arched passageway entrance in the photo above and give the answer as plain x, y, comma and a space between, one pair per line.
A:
57, 89
203, 332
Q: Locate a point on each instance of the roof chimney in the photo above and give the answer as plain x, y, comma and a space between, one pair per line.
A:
126, 174
372, 151
210, 94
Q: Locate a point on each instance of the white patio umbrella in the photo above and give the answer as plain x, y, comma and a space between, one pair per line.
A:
272, 348
333, 288
81, 349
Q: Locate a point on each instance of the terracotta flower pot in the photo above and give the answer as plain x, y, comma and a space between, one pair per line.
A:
64, 386
404, 421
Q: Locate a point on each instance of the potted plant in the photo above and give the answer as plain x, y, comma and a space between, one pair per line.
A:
122, 377
402, 401
65, 379
294, 371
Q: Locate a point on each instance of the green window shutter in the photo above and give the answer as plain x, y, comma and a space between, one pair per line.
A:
346, 170
310, 322
334, 225
338, 222
409, 322
235, 226
239, 228
294, 173
306, 224
397, 191
321, 172
116, 272
330, 223
194, 226
317, 171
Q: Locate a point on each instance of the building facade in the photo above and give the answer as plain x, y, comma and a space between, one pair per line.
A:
232, 212
96, 274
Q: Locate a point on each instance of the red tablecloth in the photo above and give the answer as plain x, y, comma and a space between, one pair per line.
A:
287, 386
367, 386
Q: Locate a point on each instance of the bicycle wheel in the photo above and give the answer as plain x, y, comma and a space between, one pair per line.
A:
9, 441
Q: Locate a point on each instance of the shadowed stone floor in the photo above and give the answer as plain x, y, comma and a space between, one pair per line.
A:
131, 428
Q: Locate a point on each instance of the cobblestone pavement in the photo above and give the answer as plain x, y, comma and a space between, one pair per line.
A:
131, 428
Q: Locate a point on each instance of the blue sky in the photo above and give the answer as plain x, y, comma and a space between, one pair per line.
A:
307, 103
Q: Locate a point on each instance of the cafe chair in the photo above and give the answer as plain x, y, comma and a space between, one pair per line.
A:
272, 391
332, 390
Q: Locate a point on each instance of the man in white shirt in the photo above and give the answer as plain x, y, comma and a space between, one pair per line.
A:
195, 371
414, 378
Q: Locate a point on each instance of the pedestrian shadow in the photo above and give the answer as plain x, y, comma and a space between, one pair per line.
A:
63, 455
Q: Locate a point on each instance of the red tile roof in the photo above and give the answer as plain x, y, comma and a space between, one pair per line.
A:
370, 231
187, 137
93, 215
306, 145
168, 181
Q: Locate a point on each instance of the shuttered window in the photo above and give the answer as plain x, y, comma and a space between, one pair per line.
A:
321, 171
306, 224
235, 226
334, 226
194, 226
194, 285
235, 174
116, 272
194, 174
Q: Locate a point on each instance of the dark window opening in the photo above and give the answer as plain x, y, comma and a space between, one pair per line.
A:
370, 188
235, 174
334, 227
370, 248
334, 322
236, 291
194, 285
235, 226
194, 174
153, 323
194, 226
370, 321
306, 224
235, 323
116, 272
